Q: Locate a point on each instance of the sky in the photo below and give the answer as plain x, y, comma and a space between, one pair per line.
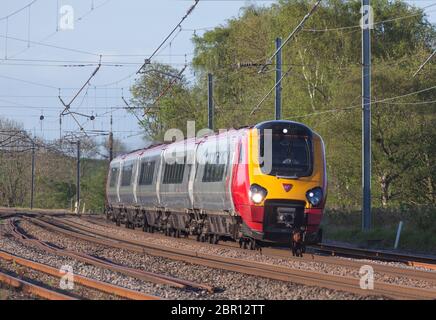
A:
39, 61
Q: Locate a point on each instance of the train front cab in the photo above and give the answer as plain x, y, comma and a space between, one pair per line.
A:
285, 193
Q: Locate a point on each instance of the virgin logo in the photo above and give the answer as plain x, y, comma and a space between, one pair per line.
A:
287, 187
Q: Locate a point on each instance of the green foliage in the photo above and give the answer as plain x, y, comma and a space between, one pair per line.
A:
322, 90
419, 231
55, 177
179, 104
93, 184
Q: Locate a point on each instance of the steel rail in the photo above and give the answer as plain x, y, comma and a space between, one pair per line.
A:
134, 273
90, 260
311, 278
308, 257
6, 213
85, 281
374, 254
391, 270
31, 288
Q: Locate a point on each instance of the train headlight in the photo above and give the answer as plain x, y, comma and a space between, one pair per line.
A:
314, 196
257, 193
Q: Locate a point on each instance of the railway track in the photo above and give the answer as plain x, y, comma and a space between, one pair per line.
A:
33, 289
330, 259
324, 249
411, 260
138, 274
275, 272
87, 282
6, 213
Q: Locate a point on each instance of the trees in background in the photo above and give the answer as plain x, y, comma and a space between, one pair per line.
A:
322, 89
55, 172
13, 163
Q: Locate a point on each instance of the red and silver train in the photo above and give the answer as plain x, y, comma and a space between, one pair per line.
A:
259, 185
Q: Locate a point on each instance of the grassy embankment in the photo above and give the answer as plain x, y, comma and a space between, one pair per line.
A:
418, 233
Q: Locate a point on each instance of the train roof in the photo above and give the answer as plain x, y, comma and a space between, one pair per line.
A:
152, 147
138, 151
260, 125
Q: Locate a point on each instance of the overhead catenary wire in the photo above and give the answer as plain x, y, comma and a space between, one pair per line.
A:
41, 42
358, 26
291, 35
67, 105
86, 62
38, 43
93, 8
385, 100
382, 101
28, 82
425, 62
46, 45
269, 92
269, 61
17, 11
313, 30
299, 27
169, 35
167, 88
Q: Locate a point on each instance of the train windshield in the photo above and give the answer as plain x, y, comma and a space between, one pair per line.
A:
284, 153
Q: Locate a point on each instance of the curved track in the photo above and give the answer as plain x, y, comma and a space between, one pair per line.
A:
33, 289
331, 259
87, 282
275, 272
138, 274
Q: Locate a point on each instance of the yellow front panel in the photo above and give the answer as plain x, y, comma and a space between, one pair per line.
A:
274, 185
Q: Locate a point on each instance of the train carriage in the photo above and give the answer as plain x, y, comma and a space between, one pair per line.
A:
259, 185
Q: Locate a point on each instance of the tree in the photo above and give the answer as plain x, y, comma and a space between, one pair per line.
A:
322, 89
118, 147
166, 99
14, 163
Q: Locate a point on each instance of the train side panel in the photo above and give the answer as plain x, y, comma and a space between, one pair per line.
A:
112, 195
174, 181
127, 181
213, 172
148, 168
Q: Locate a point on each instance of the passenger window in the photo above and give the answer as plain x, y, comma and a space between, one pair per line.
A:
173, 173
113, 177
215, 167
126, 175
147, 173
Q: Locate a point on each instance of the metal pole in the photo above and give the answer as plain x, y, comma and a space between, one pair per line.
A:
78, 178
366, 115
111, 146
60, 127
397, 239
32, 190
111, 143
210, 101
278, 103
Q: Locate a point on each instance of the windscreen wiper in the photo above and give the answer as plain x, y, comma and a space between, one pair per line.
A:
288, 177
